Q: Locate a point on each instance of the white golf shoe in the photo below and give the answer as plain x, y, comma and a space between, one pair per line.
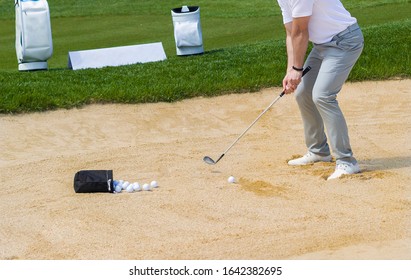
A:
309, 158
344, 169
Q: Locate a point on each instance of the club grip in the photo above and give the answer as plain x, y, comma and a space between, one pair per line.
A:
308, 68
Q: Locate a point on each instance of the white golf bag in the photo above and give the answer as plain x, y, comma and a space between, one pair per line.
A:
187, 30
34, 44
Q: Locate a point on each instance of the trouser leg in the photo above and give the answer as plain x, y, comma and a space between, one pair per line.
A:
317, 95
339, 56
315, 137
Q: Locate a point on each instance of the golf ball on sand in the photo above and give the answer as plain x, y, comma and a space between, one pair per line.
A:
154, 184
136, 187
130, 188
118, 188
231, 179
125, 185
147, 187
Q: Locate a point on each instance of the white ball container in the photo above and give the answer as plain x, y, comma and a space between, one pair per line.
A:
187, 30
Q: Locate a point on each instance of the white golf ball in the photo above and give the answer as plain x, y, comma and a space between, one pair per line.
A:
125, 185
146, 187
154, 184
118, 189
231, 179
136, 187
130, 188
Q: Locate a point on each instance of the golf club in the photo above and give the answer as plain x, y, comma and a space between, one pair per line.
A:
209, 160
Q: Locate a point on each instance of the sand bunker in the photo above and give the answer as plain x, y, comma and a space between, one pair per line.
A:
275, 211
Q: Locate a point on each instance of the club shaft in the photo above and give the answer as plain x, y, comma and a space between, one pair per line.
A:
251, 125
259, 116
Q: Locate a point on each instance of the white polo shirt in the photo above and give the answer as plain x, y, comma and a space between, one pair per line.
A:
328, 17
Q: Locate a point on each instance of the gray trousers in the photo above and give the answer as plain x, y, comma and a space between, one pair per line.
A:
316, 95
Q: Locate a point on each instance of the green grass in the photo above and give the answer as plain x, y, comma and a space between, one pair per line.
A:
80, 25
214, 8
243, 42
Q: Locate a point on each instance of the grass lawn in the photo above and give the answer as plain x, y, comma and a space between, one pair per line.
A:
243, 40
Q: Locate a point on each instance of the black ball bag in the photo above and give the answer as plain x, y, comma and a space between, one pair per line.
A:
91, 181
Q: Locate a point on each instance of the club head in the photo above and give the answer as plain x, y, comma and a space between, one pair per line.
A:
209, 160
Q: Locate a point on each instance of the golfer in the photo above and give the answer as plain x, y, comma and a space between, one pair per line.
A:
337, 44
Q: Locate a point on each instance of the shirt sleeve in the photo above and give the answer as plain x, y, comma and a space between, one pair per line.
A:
285, 10
301, 8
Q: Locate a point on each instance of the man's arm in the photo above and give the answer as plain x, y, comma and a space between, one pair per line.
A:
299, 37
289, 43
297, 43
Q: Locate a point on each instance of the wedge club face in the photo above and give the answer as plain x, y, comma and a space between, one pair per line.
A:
209, 160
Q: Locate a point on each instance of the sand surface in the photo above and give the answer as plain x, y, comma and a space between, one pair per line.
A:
274, 211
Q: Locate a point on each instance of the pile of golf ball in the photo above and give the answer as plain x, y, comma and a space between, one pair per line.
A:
121, 185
